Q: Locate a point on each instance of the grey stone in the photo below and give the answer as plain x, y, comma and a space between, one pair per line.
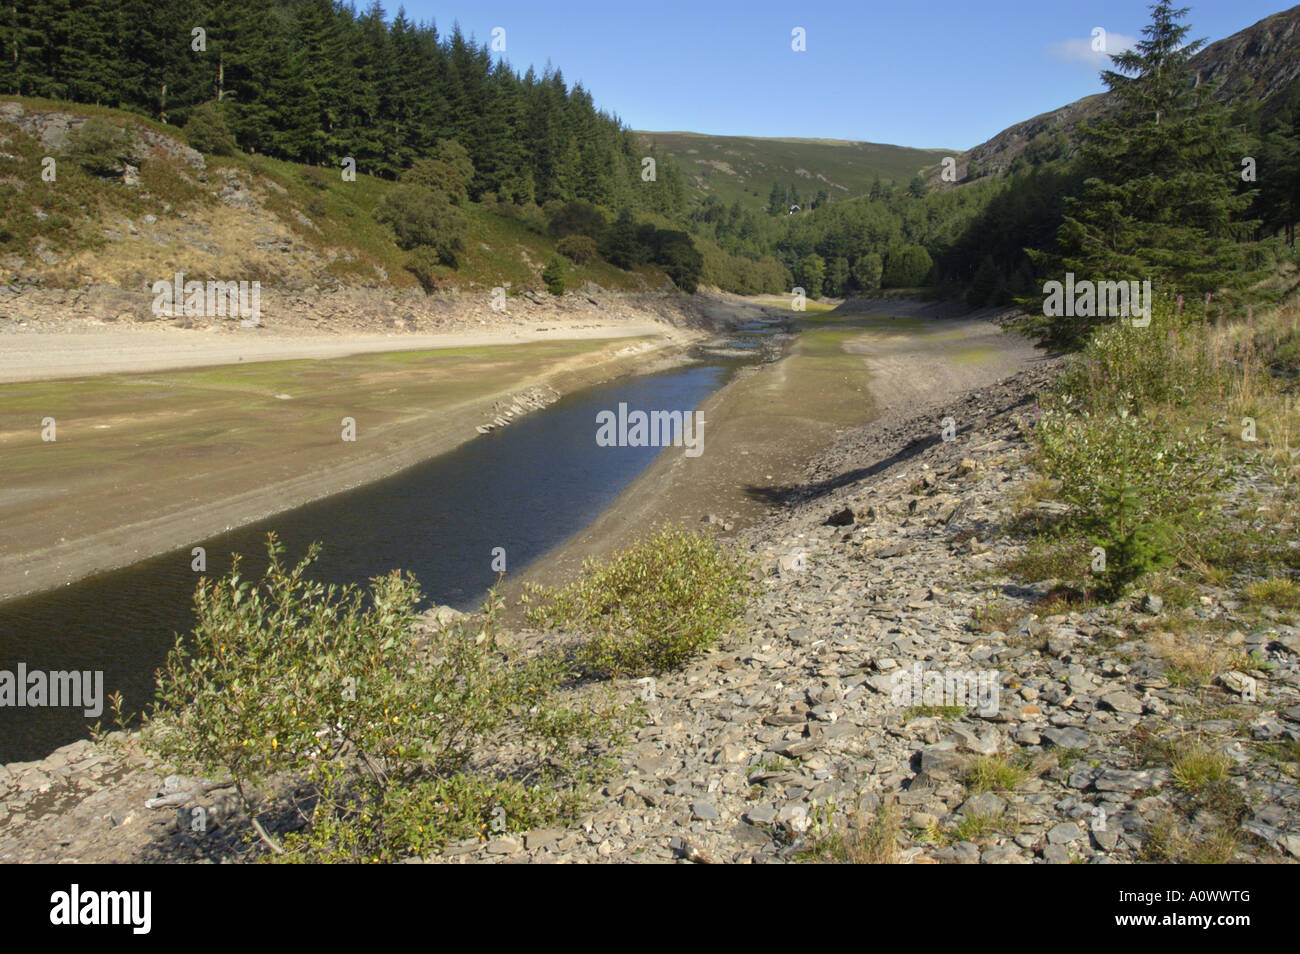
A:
1067, 737
962, 853
1063, 834
1056, 855
942, 759
1106, 838
1122, 702
1003, 855
1125, 780
985, 803
761, 814
704, 810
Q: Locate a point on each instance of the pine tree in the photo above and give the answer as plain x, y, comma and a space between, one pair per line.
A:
1161, 203
776, 200
1278, 202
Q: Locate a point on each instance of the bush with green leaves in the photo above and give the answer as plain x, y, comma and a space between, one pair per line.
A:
1123, 366
102, 148
382, 721
579, 249
651, 607
867, 271
208, 132
421, 217
448, 172
906, 266
1133, 481
578, 217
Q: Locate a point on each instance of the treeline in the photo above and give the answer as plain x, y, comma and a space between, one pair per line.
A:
314, 81
887, 239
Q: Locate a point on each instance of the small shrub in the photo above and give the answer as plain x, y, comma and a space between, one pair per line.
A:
1187, 662
579, 249
872, 840
1169, 841
207, 131
420, 217
993, 774
101, 147
448, 172
933, 712
1132, 482
425, 264
315, 176
1196, 766
1279, 593
651, 607
578, 217
974, 827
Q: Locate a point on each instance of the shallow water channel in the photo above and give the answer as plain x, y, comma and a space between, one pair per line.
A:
525, 488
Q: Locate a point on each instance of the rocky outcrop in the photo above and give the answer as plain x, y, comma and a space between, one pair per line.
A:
54, 128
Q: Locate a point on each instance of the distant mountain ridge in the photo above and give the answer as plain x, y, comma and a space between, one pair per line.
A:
744, 168
1257, 66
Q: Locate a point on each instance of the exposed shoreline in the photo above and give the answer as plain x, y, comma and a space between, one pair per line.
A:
660, 344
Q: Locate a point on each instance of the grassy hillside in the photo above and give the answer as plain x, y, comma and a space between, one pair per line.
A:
249, 217
743, 168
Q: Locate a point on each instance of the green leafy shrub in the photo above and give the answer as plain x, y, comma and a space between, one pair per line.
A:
1132, 481
579, 249
906, 266
341, 691
207, 131
101, 147
316, 177
426, 265
421, 217
1129, 367
578, 217
867, 271
448, 172
676, 253
650, 608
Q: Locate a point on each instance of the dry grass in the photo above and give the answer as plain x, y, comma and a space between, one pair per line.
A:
1189, 661
1279, 593
862, 840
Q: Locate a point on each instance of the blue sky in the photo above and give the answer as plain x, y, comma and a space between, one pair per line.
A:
925, 73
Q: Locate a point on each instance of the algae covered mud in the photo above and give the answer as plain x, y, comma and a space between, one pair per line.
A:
499, 501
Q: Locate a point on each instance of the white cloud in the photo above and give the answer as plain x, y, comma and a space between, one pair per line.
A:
1081, 50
